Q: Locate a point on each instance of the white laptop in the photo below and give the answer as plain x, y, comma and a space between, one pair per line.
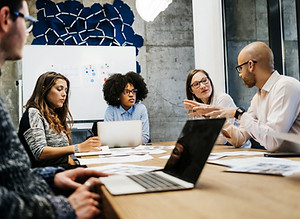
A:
120, 133
183, 167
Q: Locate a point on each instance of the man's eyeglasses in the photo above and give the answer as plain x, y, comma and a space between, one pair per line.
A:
239, 67
127, 92
197, 84
28, 20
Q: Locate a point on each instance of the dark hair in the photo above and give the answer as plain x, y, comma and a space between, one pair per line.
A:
189, 94
13, 5
57, 118
116, 83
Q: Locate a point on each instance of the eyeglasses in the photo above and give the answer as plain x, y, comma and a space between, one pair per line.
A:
197, 84
239, 67
127, 92
28, 20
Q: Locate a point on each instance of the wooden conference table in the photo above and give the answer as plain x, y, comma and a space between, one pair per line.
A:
217, 194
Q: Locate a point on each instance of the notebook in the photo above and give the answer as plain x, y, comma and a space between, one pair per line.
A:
184, 166
120, 133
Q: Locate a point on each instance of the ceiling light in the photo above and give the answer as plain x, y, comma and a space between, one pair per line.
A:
149, 9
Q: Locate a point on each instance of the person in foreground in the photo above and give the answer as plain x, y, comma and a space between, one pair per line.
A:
200, 88
44, 129
274, 108
123, 94
26, 192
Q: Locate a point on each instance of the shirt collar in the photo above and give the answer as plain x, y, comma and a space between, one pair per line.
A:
271, 81
130, 110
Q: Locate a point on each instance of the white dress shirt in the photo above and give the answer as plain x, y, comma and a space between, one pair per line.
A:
276, 108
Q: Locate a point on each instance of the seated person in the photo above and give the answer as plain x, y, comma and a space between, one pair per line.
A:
44, 129
274, 108
200, 88
123, 94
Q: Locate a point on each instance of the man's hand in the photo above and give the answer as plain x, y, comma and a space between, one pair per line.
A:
86, 204
73, 179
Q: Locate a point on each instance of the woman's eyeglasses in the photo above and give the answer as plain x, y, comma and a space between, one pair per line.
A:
127, 92
197, 84
28, 20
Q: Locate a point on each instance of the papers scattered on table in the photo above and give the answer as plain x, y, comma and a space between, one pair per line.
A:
121, 155
214, 156
261, 165
125, 169
150, 147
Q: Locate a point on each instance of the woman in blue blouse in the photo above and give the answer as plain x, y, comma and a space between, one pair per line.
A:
123, 94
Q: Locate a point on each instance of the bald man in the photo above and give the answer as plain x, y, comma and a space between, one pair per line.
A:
274, 108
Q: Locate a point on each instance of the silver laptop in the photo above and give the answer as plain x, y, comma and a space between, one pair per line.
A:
183, 167
120, 133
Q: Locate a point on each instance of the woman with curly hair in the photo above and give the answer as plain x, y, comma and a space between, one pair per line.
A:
44, 129
123, 94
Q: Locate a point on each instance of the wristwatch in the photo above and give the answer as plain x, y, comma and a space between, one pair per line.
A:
239, 111
76, 148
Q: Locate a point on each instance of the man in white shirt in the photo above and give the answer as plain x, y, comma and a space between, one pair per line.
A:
274, 108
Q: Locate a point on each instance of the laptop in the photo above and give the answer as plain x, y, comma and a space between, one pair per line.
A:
120, 133
183, 168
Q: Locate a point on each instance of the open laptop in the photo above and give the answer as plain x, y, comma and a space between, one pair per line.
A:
183, 167
120, 133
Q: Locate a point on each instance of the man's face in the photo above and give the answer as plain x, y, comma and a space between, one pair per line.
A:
16, 36
248, 77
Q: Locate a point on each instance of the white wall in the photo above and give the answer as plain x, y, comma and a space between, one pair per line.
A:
208, 40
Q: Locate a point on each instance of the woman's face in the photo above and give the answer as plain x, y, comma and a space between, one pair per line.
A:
201, 86
128, 96
57, 95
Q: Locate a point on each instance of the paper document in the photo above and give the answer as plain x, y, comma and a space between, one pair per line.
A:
151, 147
261, 165
125, 169
104, 151
115, 159
214, 156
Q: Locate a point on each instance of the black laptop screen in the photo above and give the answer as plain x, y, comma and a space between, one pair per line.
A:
193, 148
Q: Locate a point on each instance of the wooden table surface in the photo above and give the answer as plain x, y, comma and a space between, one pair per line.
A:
217, 194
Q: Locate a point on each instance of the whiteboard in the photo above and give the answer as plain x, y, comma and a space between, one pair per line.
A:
87, 67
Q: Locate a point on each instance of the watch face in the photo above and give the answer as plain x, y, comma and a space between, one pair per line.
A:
240, 110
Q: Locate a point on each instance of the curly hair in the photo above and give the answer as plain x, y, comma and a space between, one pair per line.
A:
116, 83
189, 94
57, 118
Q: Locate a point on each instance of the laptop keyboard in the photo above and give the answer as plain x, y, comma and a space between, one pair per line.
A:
154, 182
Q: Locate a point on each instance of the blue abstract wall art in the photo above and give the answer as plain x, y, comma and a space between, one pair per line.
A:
70, 23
